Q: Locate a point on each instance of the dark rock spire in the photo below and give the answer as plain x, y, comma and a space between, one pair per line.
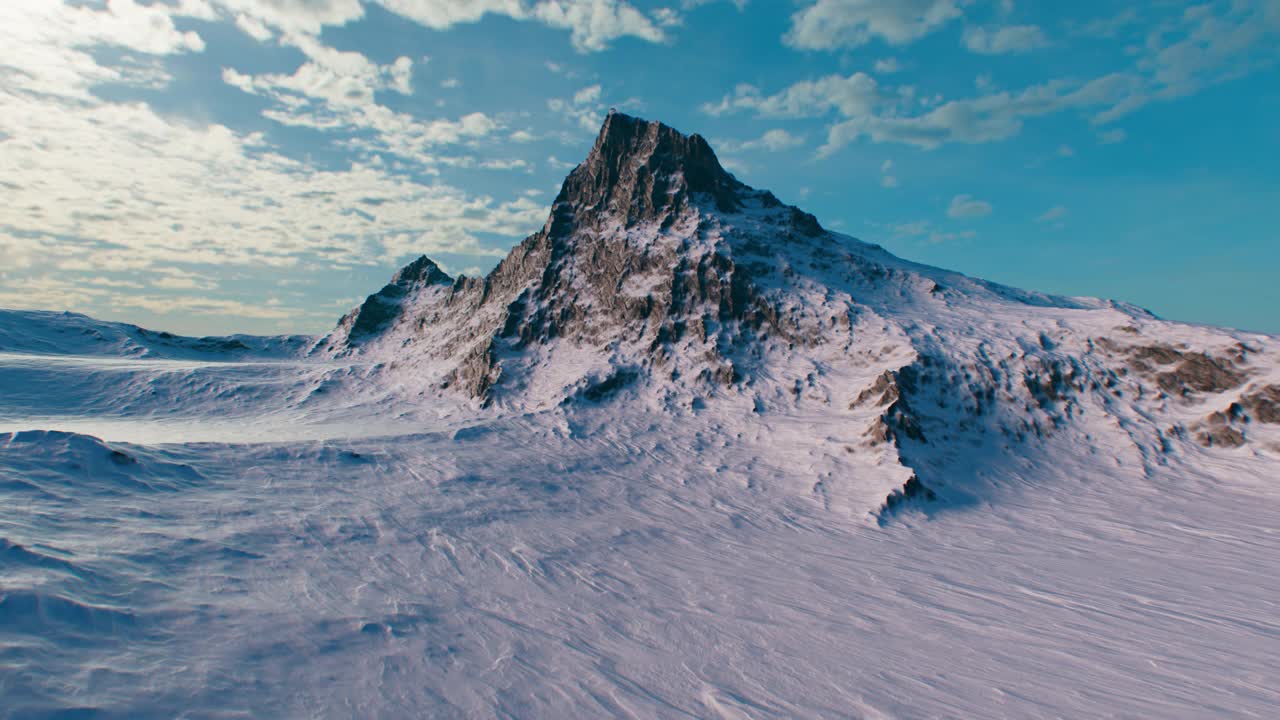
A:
641, 170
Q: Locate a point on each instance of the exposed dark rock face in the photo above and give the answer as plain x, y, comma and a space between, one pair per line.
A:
897, 422
912, 489
1198, 372
1228, 427
1263, 405
1183, 372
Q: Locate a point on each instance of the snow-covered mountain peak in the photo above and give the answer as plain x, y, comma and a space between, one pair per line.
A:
642, 171
660, 281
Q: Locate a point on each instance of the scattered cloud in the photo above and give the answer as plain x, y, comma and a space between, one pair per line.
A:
925, 230
336, 91
1106, 27
206, 194
836, 24
337, 79
1010, 39
667, 17
1112, 136
887, 177
584, 109
46, 45
1054, 213
1203, 45
96, 187
966, 207
254, 28
772, 141
982, 119
887, 66
592, 24
856, 94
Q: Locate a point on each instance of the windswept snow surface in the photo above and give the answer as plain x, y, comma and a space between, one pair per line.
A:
298, 538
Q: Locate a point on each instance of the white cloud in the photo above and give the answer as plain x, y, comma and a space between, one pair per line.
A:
144, 28
165, 191
888, 66
592, 24
1112, 136
584, 109
401, 75
196, 305
1009, 39
335, 91
1107, 27
938, 236
340, 80
45, 45
1054, 213
590, 94
833, 24
985, 118
966, 207
926, 230
174, 280
95, 187
505, 164
1200, 46
667, 17
887, 177
254, 28
915, 228
1066, 151
856, 94
774, 140
297, 16
778, 139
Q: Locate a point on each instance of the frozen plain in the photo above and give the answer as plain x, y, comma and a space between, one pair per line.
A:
202, 533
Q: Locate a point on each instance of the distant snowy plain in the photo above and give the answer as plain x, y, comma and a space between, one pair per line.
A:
185, 536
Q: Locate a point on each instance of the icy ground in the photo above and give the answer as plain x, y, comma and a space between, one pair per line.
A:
190, 538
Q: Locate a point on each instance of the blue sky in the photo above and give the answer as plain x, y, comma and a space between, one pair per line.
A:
213, 166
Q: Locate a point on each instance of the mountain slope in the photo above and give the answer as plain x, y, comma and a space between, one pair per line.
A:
660, 281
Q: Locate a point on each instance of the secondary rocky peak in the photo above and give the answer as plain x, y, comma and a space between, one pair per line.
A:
642, 170
383, 307
423, 271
